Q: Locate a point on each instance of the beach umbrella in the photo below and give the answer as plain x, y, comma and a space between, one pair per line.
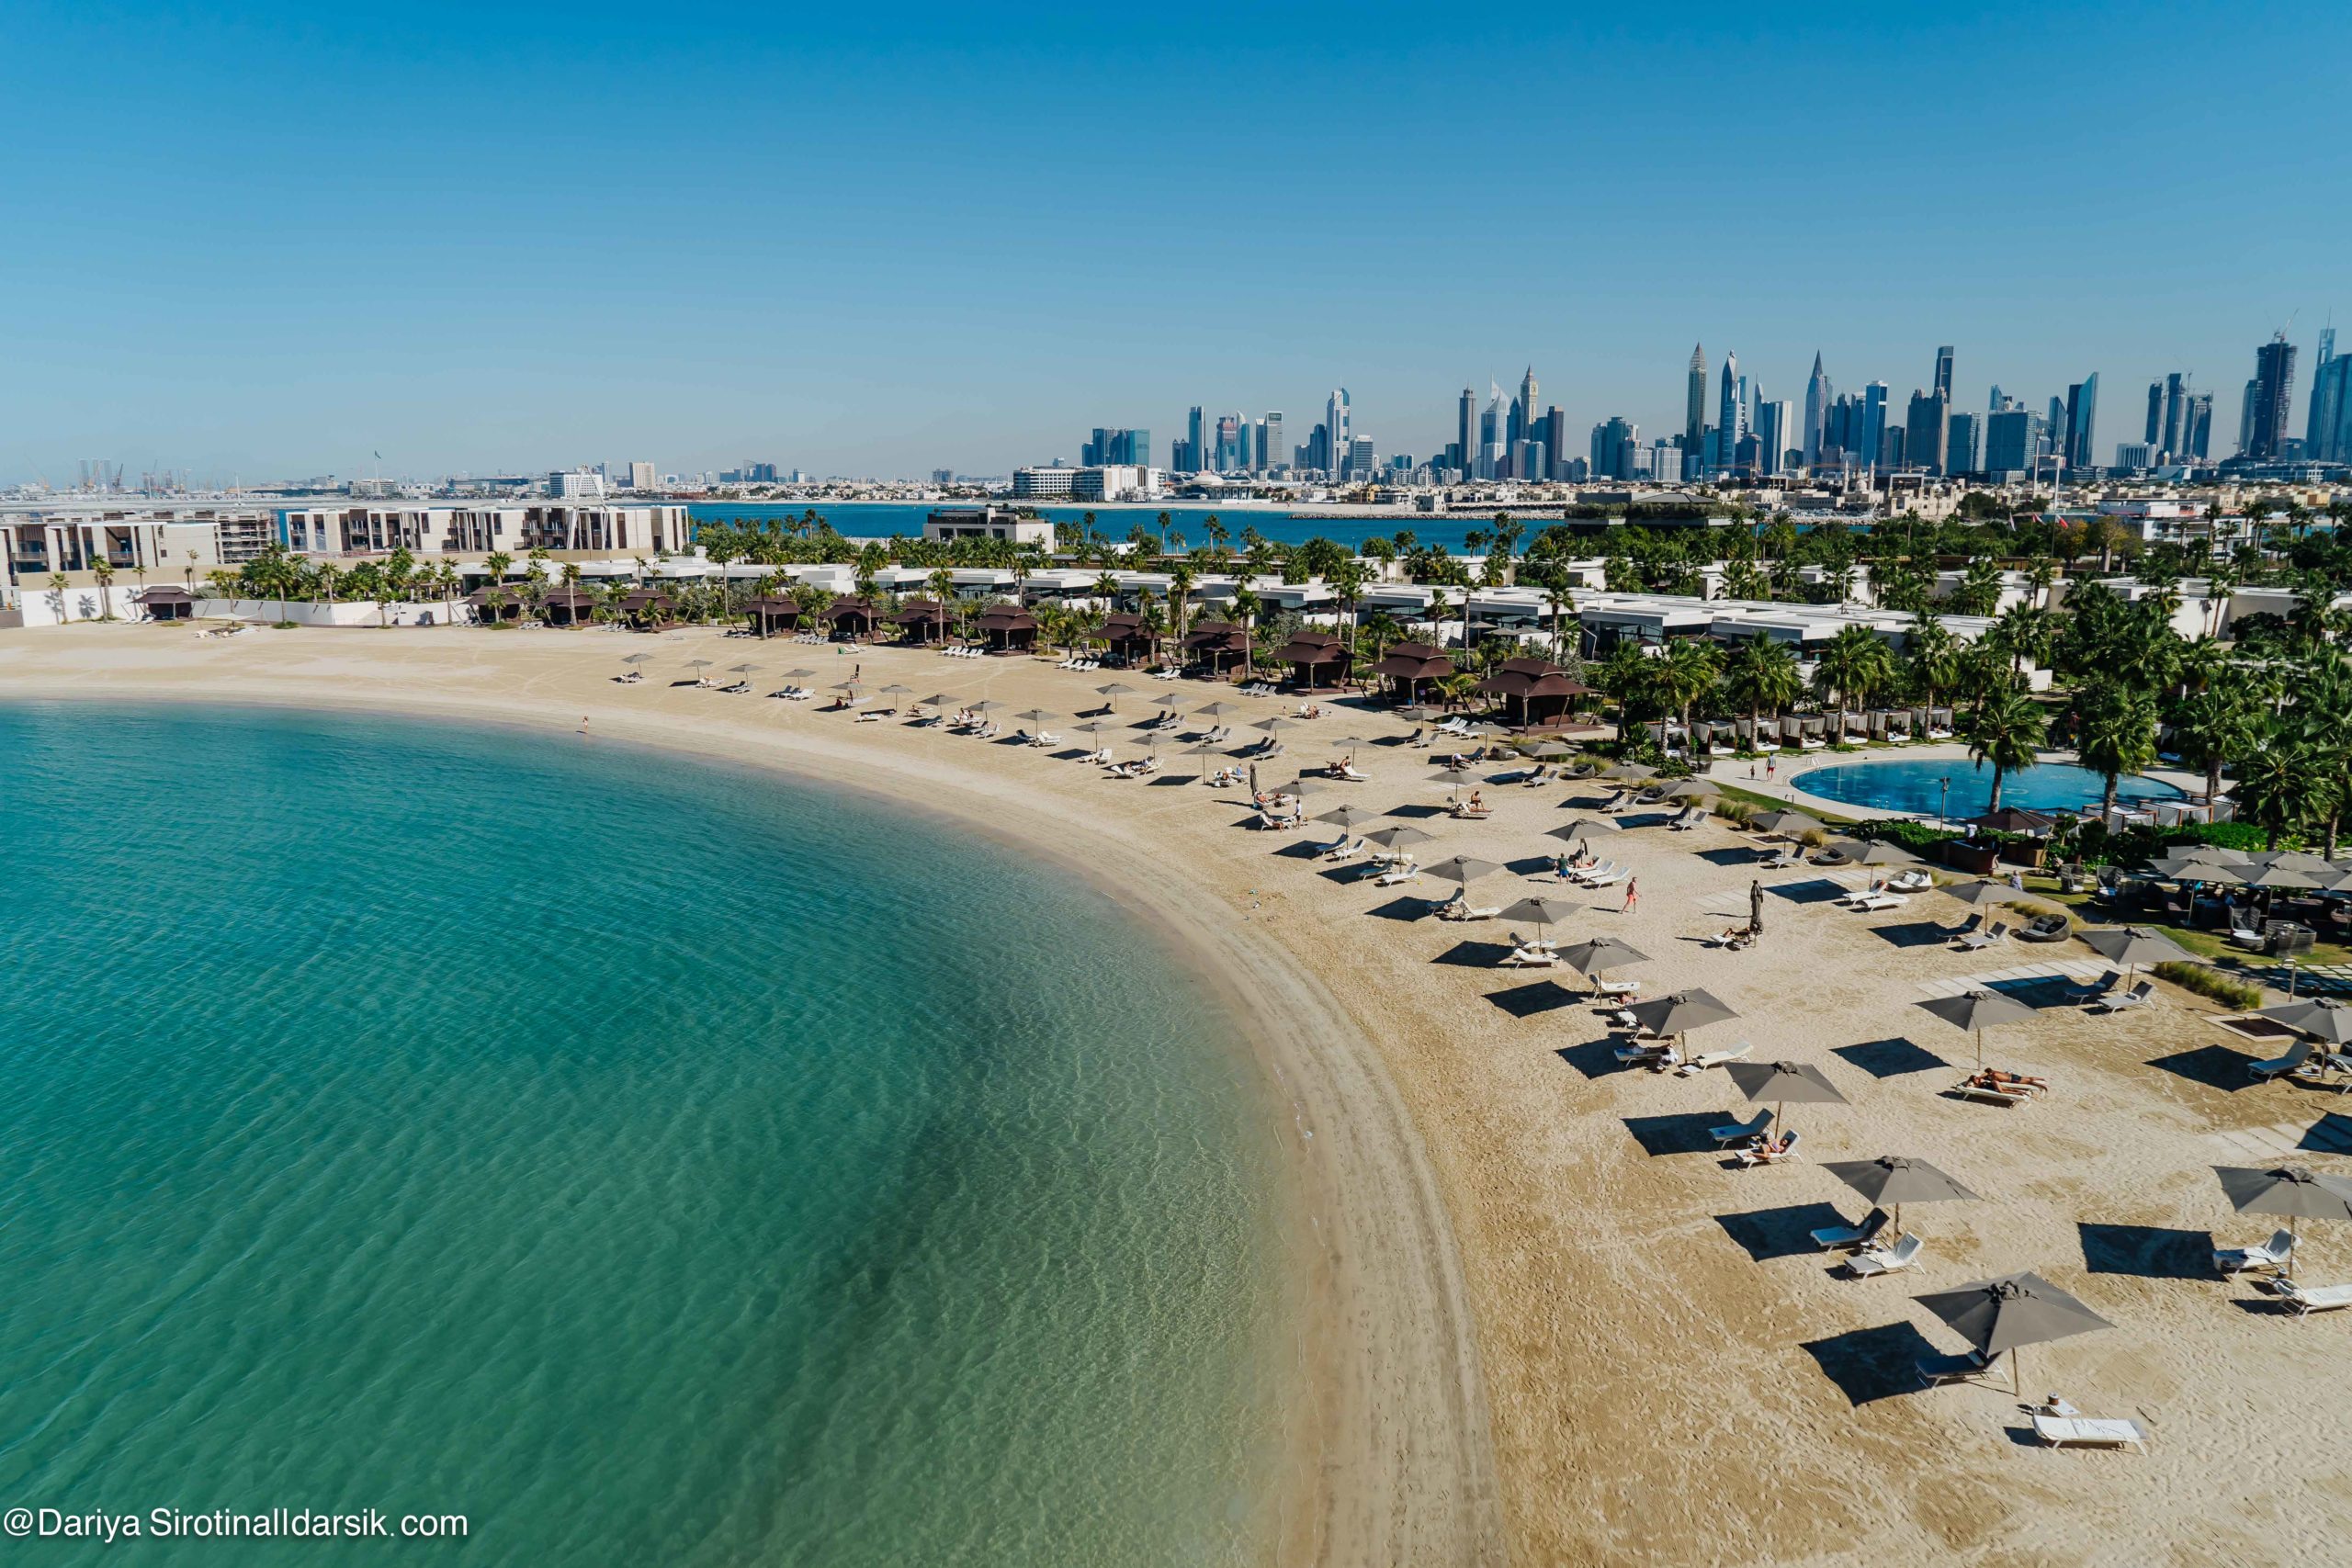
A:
2293, 1192
1602, 953
1981, 892
2277, 876
1544, 912
1114, 691
1680, 1013
2328, 1022
1462, 869
1583, 825
1485, 730
1874, 851
1307, 783
742, 668
1891, 1180
1404, 836
1694, 789
1783, 1083
937, 700
1277, 724
2294, 860
2133, 945
799, 675
895, 689
1551, 750
1202, 751
847, 688
1978, 1010
2340, 885
1215, 710
697, 664
1097, 726
2011, 1313
1628, 770
637, 658
1787, 823
1348, 818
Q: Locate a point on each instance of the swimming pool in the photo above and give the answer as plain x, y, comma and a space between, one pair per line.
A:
1915, 785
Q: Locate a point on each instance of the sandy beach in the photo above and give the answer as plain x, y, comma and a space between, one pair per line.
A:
1553, 1326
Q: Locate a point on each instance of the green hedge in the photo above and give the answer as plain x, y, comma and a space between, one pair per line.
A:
2208, 981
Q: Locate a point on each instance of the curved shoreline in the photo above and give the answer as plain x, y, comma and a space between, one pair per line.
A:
1393, 1460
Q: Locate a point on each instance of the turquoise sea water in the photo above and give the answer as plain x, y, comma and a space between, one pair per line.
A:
652, 1162
1914, 785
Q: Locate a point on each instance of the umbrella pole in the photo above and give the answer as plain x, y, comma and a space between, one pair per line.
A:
2016, 1369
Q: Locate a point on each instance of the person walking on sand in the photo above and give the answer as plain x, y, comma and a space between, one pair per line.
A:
1633, 894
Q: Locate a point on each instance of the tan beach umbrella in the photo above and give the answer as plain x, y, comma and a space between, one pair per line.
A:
1551, 750
742, 669
1629, 770
1784, 1084
1891, 1180
1544, 911
1462, 869
2133, 945
1307, 783
1404, 836
1278, 724
2293, 1192
637, 658
799, 675
1694, 789
1455, 778
1980, 892
2295, 860
1978, 1010
1215, 710
1583, 825
1603, 954
937, 700
2327, 1021
1680, 1013
1348, 818
2278, 877
2011, 1313
897, 689
990, 706
1114, 691
848, 688
1789, 824
1096, 727
698, 663
1874, 851
1034, 716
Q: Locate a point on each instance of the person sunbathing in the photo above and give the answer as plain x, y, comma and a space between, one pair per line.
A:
1993, 1078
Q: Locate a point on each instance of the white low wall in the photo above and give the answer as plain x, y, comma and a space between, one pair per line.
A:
342, 612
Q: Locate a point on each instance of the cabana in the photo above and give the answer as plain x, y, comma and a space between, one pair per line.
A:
1009, 628
1318, 659
496, 602
169, 603
1534, 694
643, 608
1408, 664
850, 620
921, 620
1220, 644
564, 605
772, 614
1127, 638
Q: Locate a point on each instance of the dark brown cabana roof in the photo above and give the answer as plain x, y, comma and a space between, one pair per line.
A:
1531, 678
916, 611
1215, 636
563, 598
1007, 618
645, 598
1312, 647
773, 605
845, 609
168, 595
1414, 661
1126, 626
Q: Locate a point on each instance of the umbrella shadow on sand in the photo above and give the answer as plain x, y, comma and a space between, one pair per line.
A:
2215, 1066
1528, 1001
1870, 1364
1687, 1134
1787, 1231
1890, 1058
2147, 1252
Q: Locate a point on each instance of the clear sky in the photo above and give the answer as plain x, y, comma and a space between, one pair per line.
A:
271, 239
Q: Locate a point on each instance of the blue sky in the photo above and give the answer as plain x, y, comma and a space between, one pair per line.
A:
272, 239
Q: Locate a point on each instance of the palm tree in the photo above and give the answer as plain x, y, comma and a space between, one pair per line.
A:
2215, 728
1346, 580
1688, 673
1855, 663
1761, 676
1935, 655
1180, 589
2277, 788
1245, 606
2006, 729
57, 594
191, 574
102, 570
2115, 733
942, 584
1629, 675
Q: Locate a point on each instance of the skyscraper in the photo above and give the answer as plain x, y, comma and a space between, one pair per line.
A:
1527, 405
1773, 433
2322, 419
1964, 435
2012, 440
1924, 430
1515, 428
1731, 416
1612, 444
1334, 421
2271, 399
1873, 432
1943, 378
2155, 436
2081, 416
1816, 410
2197, 426
1694, 413
1270, 450
1467, 425
1196, 441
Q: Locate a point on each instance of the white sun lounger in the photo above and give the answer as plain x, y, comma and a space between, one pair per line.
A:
2309, 1299
1741, 1131
1609, 877
1701, 1063
1405, 872
1527, 958
2138, 996
1884, 1260
2064, 1431
1757, 1154
2279, 1067
2273, 1254
1831, 1238
1870, 903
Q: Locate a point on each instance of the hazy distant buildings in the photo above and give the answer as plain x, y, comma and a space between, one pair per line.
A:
2328, 436
2082, 418
1816, 410
640, 477
1963, 442
2012, 443
1924, 423
1694, 413
1613, 441
576, 484
2269, 400
1115, 445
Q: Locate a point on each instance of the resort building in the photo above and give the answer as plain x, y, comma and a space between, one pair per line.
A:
359, 531
161, 541
951, 523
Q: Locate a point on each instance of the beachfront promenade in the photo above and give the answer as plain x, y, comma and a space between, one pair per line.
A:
1667, 1366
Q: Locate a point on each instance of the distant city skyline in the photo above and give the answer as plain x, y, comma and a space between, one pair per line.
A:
887, 245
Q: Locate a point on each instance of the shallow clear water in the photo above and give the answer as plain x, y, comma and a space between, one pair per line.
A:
652, 1162
1914, 785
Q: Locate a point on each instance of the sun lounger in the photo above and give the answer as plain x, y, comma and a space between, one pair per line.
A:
1733, 937
1830, 1238
1346, 849
1741, 1131
2309, 1299
1884, 1260
1966, 1366
2273, 1255
1607, 877
1459, 909
2138, 996
1871, 903
1344, 771
1528, 958
1909, 882
2097, 988
1641, 1051
1700, 1064
1617, 988
1977, 942
1768, 1153
2279, 1067
2064, 1431
1402, 874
